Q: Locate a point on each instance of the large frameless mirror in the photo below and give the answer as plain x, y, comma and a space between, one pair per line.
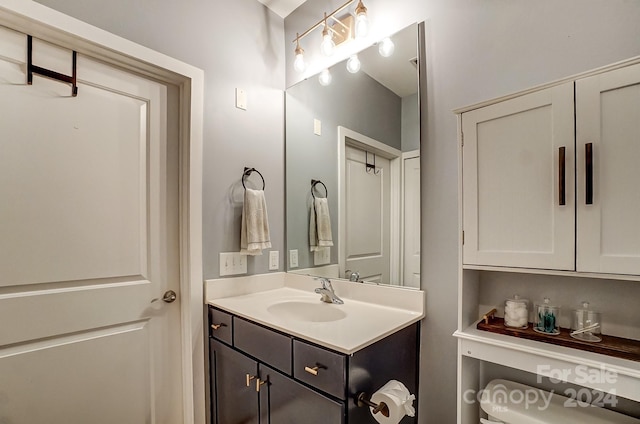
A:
353, 158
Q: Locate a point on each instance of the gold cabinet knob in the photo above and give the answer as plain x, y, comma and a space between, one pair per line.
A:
217, 326
249, 378
314, 370
259, 383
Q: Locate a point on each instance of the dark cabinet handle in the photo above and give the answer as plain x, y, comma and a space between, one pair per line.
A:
588, 157
562, 200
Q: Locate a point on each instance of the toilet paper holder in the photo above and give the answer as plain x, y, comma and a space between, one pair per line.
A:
362, 399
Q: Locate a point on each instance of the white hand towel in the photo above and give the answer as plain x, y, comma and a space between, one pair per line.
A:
320, 224
254, 234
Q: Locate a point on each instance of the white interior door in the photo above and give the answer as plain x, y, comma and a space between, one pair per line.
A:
512, 211
88, 244
411, 248
367, 213
607, 108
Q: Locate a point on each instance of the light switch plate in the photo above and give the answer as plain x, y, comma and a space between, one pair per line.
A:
322, 256
293, 258
241, 99
317, 127
232, 263
274, 260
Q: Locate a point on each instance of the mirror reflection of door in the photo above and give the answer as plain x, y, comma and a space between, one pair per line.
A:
368, 211
411, 219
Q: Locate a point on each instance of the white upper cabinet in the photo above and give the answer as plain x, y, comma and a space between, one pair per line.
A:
608, 191
518, 210
522, 159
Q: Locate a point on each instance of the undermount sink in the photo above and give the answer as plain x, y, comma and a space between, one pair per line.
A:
307, 311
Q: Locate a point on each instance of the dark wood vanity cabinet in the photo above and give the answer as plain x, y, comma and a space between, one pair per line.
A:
236, 400
286, 401
262, 376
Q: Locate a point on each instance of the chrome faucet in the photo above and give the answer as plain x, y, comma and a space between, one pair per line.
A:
352, 275
328, 295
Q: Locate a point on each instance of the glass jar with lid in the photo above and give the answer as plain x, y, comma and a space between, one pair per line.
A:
586, 324
547, 318
516, 312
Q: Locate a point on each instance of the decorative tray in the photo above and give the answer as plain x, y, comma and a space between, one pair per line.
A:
610, 345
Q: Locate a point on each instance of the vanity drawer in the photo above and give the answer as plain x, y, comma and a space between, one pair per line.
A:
320, 368
220, 325
268, 346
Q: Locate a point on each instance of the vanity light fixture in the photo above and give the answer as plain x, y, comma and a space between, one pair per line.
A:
353, 64
342, 29
325, 77
386, 47
299, 63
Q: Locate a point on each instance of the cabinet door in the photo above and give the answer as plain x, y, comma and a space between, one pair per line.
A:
285, 401
517, 210
232, 400
608, 224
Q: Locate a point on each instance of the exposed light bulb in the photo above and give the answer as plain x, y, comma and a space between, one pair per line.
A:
327, 45
299, 63
386, 47
353, 64
362, 21
325, 77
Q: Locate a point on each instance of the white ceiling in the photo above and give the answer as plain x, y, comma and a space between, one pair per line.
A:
282, 7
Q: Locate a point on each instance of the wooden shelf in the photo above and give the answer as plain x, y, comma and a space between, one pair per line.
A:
604, 373
612, 346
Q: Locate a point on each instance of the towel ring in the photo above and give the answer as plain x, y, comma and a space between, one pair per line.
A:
316, 182
247, 172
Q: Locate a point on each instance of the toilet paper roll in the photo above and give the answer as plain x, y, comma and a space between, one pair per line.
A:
397, 398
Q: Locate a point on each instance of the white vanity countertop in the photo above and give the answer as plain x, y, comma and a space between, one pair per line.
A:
369, 313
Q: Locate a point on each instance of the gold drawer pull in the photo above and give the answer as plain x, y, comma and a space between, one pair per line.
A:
259, 383
217, 326
314, 370
249, 378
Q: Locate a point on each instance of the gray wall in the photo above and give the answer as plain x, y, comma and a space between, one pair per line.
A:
355, 101
476, 50
410, 123
238, 43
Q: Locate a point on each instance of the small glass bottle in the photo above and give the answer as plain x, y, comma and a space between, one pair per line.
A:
516, 314
547, 317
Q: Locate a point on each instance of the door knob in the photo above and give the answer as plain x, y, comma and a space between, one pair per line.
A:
169, 296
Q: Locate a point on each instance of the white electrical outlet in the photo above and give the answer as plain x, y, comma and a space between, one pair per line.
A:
274, 260
293, 258
241, 99
232, 263
322, 256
